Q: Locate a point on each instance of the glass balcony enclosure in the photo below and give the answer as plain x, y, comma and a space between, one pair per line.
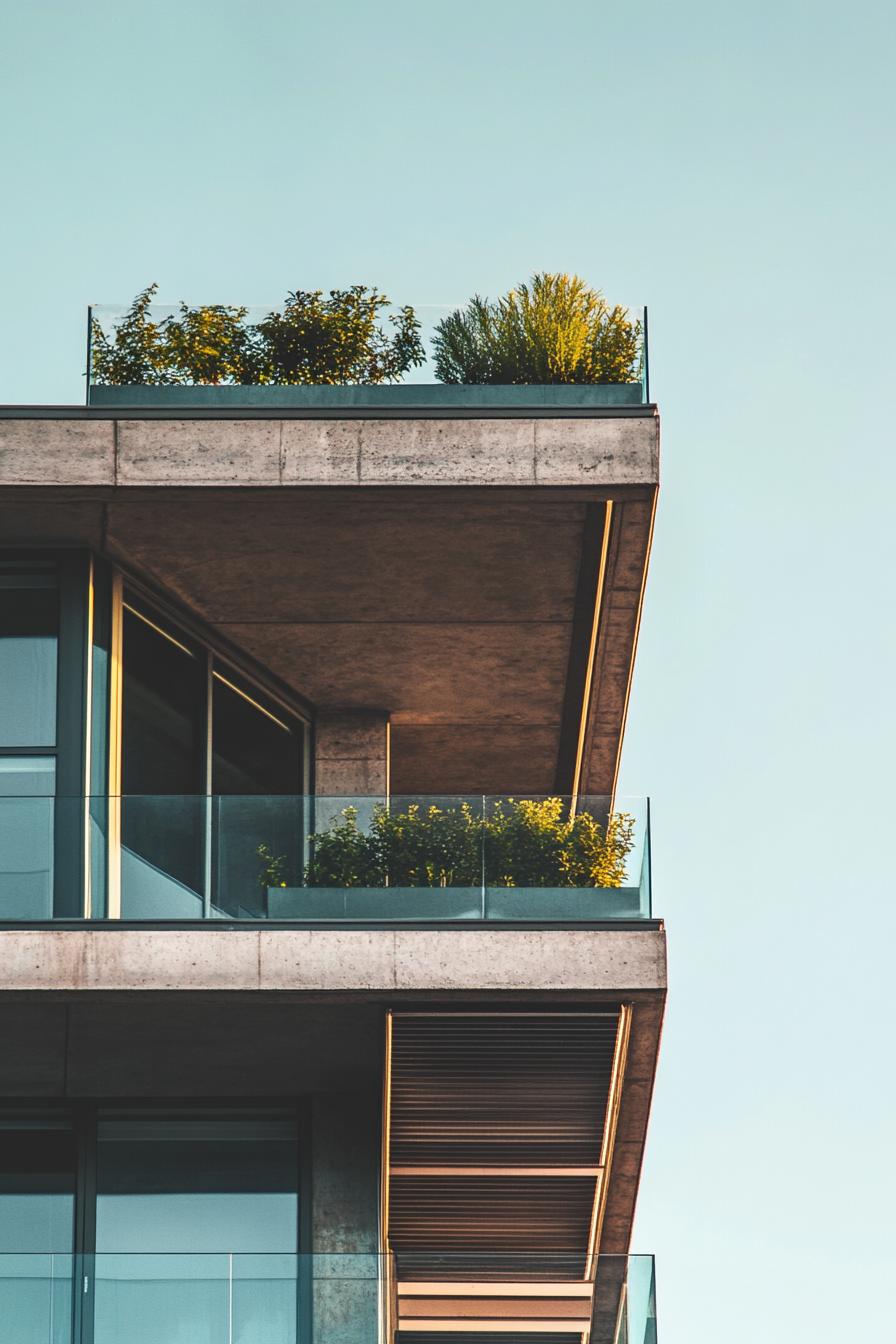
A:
146, 775
320, 859
279, 1298
164, 382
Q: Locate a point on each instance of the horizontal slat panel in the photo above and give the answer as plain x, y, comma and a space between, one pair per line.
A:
496, 1126
489, 1215
512, 1090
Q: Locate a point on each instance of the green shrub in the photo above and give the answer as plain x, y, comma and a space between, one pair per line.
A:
518, 843
136, 352
312, 339
556, 329
210, 345
337, 340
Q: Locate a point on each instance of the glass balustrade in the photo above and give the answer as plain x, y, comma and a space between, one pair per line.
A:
238, 1298
322, 859
219, 356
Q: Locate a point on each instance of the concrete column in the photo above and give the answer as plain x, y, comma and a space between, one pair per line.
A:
345, 1155
351, 757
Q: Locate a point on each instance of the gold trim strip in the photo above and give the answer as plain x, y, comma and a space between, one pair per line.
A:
496, 1288
490, 1326
113, 894
614, 1100
254, 703
87, 894
159, 630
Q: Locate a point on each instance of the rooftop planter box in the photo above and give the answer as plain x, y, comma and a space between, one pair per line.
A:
412, 904
553, 343
399, 397
494, 859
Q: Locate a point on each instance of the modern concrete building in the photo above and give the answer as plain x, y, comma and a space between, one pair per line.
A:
259, 1086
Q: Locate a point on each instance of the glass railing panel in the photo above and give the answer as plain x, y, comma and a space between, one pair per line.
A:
563, 858
328, 859
148, 1299
161, 364
163, 856
414, 857
258, 851
624, 1309
27, 849
228, 1297
36, 1298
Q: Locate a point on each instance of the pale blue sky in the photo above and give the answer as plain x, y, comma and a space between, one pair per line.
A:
731, 166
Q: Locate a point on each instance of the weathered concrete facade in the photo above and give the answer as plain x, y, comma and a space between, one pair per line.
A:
453, 603
442, 573
84, 449
428, 960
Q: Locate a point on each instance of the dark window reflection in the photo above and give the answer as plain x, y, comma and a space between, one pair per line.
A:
162, 776
197, 1185
37, 1190
256, 768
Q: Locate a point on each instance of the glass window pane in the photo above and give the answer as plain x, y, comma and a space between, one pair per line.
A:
37, 1190
163, 749
29, 635
27, 810
163, 712
256, 773
197, 1185
256, 750
37, 1198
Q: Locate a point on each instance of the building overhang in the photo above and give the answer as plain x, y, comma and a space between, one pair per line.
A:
479, 579
138, 1010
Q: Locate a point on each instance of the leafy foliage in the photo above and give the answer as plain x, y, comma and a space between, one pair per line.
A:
136, 352
518, 843
273, 868
210, 345
337, 339
556, 329
313, 339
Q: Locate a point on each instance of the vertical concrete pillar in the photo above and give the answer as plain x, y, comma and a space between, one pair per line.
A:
351, 755
345, 1154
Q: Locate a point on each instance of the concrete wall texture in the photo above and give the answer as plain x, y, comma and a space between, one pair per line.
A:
127, 959
614, 450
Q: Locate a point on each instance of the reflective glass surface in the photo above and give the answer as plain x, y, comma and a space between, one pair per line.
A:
328, 860
37, 1196
196, 1229
27, 814
231, 1298
197, 1184
29, 631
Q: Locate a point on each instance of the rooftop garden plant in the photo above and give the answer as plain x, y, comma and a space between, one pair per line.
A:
555, 329
517, 843
340, 338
